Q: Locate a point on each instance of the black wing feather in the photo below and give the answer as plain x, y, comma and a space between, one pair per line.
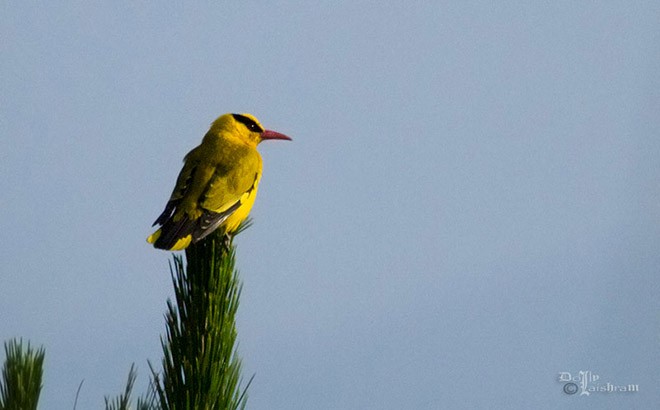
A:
172, 231
167, 213
210, 221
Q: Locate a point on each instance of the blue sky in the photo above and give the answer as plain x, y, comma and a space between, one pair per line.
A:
470, 205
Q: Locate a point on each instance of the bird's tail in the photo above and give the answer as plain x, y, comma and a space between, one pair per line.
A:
171, 245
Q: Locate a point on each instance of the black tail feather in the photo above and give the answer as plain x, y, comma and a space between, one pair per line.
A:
172, 231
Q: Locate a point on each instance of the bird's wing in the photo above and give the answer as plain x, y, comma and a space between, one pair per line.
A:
226, 191
204, 196
185, 178
183, 183
228, 185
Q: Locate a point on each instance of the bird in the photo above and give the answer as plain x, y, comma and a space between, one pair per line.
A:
217, 185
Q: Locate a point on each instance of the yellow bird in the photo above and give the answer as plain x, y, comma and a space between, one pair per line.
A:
218, 183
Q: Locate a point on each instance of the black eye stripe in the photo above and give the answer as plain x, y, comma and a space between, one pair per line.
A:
248, 122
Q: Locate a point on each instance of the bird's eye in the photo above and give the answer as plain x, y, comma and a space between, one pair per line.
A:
249, 123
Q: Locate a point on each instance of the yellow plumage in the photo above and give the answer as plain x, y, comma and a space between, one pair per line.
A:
218, 183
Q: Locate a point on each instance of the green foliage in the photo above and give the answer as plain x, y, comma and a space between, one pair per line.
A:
123, 401
21, 377
201, 369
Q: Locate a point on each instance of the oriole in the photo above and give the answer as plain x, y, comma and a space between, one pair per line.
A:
218, 183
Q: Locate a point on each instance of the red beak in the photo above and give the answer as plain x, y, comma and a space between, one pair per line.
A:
273, 135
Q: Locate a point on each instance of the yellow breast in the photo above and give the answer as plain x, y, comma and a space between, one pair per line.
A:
247, 200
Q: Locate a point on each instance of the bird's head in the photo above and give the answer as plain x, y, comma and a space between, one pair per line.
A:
246, 128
